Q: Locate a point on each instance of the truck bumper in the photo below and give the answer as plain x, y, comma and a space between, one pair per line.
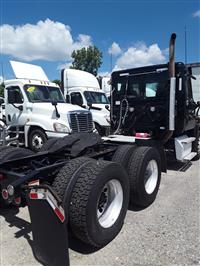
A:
52, 134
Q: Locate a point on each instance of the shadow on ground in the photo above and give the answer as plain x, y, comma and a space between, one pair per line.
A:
178, 166
25, 230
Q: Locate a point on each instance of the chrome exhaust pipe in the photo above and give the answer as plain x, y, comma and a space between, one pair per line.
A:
171, 69
171, 55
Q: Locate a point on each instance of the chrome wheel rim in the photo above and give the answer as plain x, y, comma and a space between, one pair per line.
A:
151, 177
37, 142
110, 203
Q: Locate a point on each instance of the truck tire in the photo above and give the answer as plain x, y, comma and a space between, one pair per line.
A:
65, 174
92, 217
48, 144
144, 171
14, 153
97, 215
36, 140
122, 155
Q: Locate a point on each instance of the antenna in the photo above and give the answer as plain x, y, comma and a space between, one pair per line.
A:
185, 45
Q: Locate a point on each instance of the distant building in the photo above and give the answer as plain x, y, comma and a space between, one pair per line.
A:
196, 83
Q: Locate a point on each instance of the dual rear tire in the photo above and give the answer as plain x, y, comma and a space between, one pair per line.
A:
143, 166
99, 199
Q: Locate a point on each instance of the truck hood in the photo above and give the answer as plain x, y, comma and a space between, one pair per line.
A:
48, 110
63, 108
101, 105
101, 116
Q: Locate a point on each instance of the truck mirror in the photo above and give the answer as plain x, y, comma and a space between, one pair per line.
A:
54, 103
193, 77
20, 107
67, 98
107, 107
89, 104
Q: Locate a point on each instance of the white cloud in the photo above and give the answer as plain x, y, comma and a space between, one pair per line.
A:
141, 55
104, 74
114, 49
65, 65
197, 13
46, 40
1, 79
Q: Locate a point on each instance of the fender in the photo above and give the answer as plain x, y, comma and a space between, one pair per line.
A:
27, 129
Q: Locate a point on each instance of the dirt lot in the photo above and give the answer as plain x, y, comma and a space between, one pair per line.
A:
166, 233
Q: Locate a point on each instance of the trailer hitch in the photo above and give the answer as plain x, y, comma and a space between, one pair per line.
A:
49, 226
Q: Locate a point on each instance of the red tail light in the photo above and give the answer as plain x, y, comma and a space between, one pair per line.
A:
142, 135
33, 195
17, 201
4, 194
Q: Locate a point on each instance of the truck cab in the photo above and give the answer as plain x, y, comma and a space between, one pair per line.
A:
105, 85
148, 100
38, 108
82, 88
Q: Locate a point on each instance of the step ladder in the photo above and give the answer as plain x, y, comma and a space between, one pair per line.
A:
183, 148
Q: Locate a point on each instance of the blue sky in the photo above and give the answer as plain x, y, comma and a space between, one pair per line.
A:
136, 33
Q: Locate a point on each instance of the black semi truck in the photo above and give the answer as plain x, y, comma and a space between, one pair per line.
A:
81, 185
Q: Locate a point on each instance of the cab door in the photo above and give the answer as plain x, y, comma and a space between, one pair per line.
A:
190, 106
14, 107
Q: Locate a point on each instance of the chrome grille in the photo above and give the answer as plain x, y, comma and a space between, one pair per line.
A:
81, 121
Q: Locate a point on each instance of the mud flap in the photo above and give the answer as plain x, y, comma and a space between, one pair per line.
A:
49, 227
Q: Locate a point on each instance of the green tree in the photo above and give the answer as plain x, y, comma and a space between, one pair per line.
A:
87, 59
2, 90
57, 81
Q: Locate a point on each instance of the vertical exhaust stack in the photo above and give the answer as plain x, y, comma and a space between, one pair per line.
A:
172, 89
171, 56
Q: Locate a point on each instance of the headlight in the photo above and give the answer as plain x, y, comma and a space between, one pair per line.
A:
60, 128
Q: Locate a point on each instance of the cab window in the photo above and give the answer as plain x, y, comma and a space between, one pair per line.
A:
15, 95
76, 98
151, 89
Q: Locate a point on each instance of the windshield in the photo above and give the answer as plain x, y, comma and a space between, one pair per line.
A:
40, 93
135, 86
96, 97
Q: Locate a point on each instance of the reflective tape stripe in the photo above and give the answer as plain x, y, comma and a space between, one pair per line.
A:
59, 214
43, 194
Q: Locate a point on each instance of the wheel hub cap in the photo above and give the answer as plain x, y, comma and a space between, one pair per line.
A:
37, 142
151, 177
110, 203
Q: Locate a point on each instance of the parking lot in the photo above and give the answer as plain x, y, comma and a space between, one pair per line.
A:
166, 233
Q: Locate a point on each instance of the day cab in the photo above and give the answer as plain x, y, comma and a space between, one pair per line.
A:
82, 88
38, 108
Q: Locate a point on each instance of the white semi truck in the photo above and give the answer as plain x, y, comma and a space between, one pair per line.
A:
37, 106
82, 88
105, 85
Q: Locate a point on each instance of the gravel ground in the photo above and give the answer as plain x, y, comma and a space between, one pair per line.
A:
166, 233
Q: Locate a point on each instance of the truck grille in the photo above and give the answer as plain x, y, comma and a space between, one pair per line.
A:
81, 121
